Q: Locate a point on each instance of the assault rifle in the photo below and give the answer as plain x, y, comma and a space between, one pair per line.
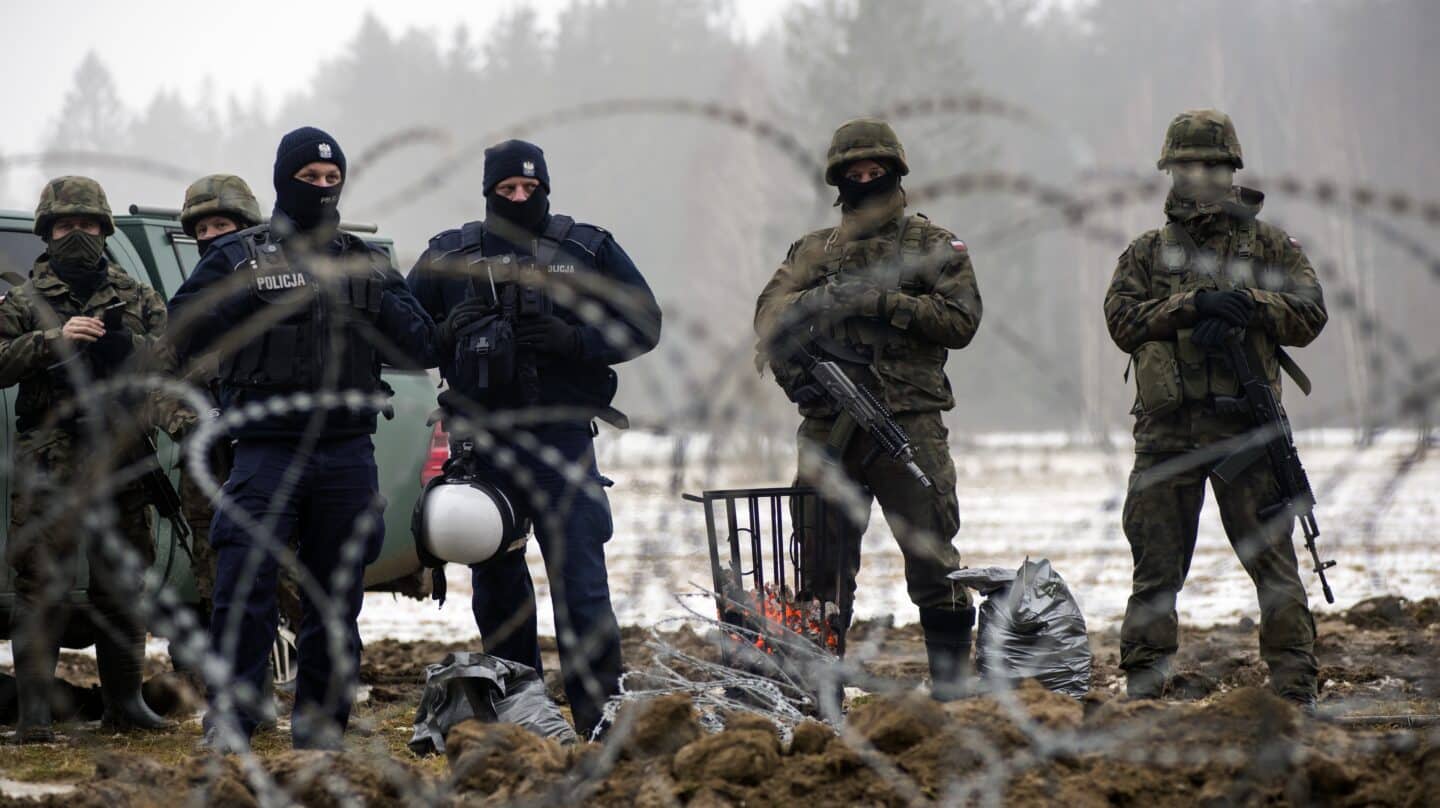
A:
159, 491
1258, 399
864, 408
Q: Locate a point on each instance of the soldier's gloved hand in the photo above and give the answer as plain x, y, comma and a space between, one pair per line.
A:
1235, 307
858, 298
113, 348
548, 334
1210, 333
468, 311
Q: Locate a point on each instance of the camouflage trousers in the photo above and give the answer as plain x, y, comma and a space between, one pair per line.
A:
1161, 518
48, 500
923, 520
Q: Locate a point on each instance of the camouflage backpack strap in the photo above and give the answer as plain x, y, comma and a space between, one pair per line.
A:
1174, 249
1243, 272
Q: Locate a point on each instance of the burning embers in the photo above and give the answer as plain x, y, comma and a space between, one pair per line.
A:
779, 619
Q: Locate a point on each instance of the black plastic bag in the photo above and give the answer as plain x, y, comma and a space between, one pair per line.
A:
1030, 627
469, 685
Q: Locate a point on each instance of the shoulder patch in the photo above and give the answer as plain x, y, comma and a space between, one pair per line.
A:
1294, 242
958, 246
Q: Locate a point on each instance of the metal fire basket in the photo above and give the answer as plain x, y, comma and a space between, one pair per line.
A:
758, 559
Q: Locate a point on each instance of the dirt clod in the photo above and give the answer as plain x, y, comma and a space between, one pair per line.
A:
658, 728
745, 756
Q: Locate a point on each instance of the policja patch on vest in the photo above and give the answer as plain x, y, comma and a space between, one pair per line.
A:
275, 283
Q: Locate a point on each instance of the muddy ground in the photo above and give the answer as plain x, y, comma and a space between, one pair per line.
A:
1220, 738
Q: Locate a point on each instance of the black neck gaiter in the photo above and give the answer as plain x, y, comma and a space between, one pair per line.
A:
77, 258
528, 214
309, 206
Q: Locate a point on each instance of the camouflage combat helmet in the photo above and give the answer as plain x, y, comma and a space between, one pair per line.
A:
1201, 134
219, 195
863, 139
72, 196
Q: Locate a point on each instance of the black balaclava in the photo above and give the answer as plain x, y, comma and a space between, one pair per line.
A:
529, 214
854, 194
309, 206
517, 158
78, 259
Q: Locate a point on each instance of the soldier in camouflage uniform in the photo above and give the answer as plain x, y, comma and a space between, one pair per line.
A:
53, 337
1176, 295
887, 295
214, 206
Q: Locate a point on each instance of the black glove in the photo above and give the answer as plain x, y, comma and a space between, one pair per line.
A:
1234, 307
548, 334
1210, 333
857, 298
468, 311
112, 349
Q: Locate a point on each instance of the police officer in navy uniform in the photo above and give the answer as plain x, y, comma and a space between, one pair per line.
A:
293, 307
563, 375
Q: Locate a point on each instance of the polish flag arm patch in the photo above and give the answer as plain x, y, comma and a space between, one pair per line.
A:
1294, 242
959, 246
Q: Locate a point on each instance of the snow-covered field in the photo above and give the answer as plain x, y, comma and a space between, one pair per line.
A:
1020, 494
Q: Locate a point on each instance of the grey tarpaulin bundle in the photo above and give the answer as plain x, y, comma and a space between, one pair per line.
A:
468, 685
1030, 627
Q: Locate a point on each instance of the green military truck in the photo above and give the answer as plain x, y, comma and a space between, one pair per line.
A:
150, 245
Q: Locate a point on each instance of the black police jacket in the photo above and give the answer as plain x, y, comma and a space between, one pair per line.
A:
440, 283
378, 319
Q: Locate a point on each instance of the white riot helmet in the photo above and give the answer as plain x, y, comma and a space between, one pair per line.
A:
464, 520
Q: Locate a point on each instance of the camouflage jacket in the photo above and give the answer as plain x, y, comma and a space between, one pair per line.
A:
930, 304
32, 348
1152, 300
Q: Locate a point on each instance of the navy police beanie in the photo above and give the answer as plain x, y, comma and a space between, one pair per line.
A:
515, 158
302, 147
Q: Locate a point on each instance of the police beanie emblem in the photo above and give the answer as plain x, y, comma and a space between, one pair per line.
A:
325, 153
528, 167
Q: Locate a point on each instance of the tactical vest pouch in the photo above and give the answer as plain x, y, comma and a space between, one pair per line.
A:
1193, 367
1157, 378
485, 353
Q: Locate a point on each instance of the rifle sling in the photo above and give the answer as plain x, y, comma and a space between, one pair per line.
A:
1292, 369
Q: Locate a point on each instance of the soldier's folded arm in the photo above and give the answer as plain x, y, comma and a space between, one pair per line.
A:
789, 298
1131, 314
24, 347
633, 308
949, 314
1294, 314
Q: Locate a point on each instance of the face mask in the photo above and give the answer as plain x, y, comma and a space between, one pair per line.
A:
310, 206
1200, 183
854, 193
528, 214
77, 249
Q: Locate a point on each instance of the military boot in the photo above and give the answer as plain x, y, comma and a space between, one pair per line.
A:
947, 644
35, 659
121, 664
1146, 682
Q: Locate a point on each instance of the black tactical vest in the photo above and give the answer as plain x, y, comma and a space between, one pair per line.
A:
324, 338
